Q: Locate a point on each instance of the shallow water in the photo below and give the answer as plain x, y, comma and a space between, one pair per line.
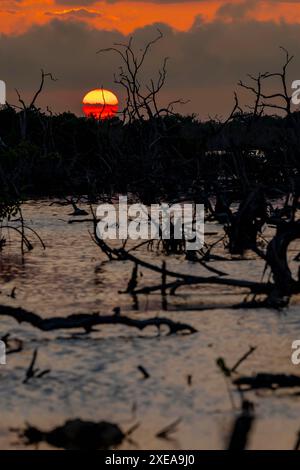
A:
97, 377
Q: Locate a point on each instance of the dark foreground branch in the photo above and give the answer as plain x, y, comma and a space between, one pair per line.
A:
88, 321
182, 279
268, 381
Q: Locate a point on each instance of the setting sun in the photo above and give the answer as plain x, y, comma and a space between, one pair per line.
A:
100, 104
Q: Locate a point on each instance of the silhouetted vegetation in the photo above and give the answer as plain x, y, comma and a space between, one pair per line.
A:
162, 157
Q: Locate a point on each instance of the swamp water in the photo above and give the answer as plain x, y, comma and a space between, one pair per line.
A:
96, 376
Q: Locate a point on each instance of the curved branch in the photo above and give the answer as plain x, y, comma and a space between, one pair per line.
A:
88, 321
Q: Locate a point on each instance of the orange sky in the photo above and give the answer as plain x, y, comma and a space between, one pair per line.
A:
125, 16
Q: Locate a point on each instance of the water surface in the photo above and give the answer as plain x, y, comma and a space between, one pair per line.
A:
97, 377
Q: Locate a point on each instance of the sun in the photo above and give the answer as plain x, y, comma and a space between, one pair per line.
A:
100, 104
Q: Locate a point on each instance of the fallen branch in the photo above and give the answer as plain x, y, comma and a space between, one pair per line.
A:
88, 321
271, 381
182, 279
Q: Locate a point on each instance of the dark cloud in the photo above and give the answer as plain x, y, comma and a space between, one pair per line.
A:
237, 11
205, 63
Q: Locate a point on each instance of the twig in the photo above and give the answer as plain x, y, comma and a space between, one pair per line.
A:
171, 428
243, 358
32, 372
145, 373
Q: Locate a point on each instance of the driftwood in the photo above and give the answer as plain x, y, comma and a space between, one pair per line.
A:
76, 435
88, 321
270, 381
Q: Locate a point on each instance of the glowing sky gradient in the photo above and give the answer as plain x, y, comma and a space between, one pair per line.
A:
17, 16
212, 44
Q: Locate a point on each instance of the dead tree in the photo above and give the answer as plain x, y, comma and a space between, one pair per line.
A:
26, 108
141, 100
263, 100
245, 225
257, 109
243, 229
277, 259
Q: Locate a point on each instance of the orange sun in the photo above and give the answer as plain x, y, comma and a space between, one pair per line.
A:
100, 104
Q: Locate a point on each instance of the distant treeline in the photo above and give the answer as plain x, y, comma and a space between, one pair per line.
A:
53, 155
